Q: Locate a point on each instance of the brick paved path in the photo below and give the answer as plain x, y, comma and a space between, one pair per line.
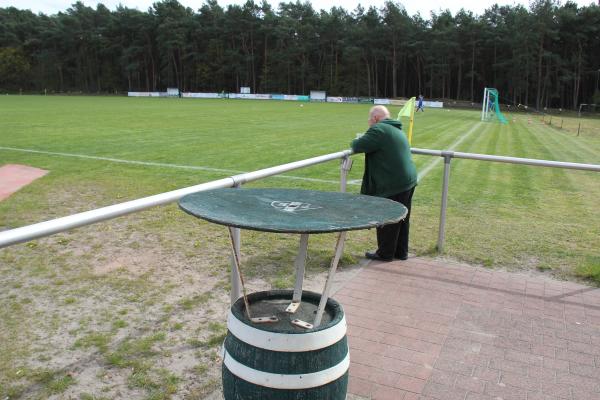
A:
424, 329
13, 177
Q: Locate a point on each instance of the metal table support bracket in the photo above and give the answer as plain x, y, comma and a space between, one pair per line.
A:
339, 249
236, 290
299, 265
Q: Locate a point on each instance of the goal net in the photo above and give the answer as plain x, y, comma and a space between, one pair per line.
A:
490, 109
589, 110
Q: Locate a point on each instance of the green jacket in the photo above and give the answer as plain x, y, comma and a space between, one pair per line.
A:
389, 168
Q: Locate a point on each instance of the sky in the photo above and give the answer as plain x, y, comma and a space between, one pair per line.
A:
412, 6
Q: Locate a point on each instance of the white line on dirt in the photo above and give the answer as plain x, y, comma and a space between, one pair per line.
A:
163, 165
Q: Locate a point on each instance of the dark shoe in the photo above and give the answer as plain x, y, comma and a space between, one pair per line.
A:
402, 257
376, 257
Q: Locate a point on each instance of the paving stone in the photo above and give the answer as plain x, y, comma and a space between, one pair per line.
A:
503, 391
470, 383
428, 329
387, 393
443, 392
520, 381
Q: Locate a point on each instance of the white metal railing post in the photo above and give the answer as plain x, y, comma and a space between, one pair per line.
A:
484, 104
442, 229
345, 167
236, 289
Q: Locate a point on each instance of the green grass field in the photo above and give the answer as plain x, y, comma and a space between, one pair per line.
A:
123, 298
248, 135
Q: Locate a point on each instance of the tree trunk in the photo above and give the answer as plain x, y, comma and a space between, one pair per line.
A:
458, 78
577, 78
472, 72
404, 73
494, 64
538, 97
431, 80
394, 70
147, 70
265, 68
443, 85
252, 62
376, 77
419, 75
368, 78
60, 77
175, 69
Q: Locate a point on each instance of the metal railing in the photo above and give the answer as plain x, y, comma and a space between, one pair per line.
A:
47, 228
449, 155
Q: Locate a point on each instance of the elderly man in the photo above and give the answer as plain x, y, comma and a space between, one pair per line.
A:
391, 173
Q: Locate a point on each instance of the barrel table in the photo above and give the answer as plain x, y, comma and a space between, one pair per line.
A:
288, 344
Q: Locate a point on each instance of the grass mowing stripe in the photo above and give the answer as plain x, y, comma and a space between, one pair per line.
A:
427, 132
579, 187
441, 134
523, 178
575, 193
572, 142
477, 173
480, 172
432, 164
156, 164
571, 147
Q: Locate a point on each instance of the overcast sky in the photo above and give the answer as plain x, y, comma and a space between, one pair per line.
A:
412, 6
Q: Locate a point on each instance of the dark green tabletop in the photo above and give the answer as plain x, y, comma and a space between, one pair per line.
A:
292, 210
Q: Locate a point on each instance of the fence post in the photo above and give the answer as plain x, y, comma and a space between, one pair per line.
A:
578, 128
550, 122
561, 123
442, 229
236, 289
345, 167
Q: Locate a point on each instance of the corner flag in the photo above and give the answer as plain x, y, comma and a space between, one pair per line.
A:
408, 110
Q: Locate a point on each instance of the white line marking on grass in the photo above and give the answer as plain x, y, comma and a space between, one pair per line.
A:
164, 165
438, 160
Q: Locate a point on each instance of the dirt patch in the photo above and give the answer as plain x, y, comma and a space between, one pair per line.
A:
133, 265
14, 177
133, 307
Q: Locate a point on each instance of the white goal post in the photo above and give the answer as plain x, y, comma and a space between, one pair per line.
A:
594, 107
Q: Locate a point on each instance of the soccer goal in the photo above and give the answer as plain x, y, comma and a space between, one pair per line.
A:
589, 110
490, 109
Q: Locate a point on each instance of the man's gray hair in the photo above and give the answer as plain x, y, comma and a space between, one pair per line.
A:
379, 111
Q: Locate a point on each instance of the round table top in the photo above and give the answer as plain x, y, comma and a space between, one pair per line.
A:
292, 210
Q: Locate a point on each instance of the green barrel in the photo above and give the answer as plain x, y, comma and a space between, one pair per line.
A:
280, 360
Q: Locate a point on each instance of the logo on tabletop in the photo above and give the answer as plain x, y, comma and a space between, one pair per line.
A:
293, 206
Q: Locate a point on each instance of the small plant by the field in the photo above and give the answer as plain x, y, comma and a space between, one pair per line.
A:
590, 269
191, 302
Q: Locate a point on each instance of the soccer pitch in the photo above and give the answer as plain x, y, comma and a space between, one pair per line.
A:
115, 149
134, 307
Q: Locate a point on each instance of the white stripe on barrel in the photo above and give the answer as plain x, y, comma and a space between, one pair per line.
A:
286, 381
305, 341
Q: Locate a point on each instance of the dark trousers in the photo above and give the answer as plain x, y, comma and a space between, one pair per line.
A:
392, 240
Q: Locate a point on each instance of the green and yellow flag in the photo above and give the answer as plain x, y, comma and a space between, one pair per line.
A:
408, 110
